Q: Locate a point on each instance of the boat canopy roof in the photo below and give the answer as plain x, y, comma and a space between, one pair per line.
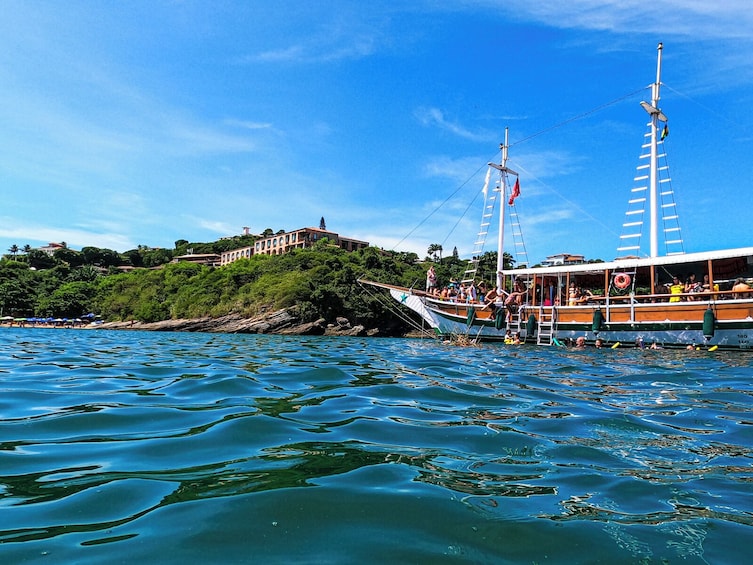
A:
628, 264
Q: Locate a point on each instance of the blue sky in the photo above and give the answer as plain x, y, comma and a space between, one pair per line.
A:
144, 122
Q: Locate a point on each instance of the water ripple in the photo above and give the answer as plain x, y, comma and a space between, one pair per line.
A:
182, 446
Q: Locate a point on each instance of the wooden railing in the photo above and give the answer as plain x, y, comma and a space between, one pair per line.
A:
664, 297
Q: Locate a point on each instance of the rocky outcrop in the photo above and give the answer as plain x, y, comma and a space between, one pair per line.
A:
284, 322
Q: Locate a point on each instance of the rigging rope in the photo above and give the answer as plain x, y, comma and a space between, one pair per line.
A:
541, 132
580, 116
392, 307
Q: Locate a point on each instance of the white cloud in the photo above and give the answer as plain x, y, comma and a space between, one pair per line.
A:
700, 19
75, 238
222, 229
434, 117
455, 169
246, 124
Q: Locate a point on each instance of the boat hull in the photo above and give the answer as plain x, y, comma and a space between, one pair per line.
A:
726, 324
668, 324
452, 318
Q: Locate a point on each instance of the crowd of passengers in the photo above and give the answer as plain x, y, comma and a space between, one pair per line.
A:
480, 293
690, 290
475, 292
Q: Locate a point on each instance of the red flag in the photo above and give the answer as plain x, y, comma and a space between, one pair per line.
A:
515, 192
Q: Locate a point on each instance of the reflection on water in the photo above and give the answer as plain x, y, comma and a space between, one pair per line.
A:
223, 447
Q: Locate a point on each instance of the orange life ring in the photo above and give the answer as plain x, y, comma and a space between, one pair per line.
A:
622, 281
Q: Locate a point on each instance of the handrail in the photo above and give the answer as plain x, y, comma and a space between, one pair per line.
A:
664, 297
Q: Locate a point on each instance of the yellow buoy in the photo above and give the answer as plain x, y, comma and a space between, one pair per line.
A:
616, 345
713, 348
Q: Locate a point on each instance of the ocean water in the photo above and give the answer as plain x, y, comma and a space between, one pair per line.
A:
141, 447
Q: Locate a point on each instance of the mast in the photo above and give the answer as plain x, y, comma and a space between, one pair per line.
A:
503, 170
656, 116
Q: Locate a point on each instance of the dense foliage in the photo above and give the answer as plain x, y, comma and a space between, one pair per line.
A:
321, 281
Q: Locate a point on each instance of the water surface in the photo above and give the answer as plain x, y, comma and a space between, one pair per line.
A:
175, 447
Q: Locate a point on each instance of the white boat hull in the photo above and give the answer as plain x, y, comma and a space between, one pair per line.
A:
452, 319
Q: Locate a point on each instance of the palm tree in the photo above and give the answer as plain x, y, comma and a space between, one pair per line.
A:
435, 248
26, 249
13, 249
432, 251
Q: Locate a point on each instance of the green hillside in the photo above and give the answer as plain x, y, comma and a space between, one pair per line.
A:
320, 281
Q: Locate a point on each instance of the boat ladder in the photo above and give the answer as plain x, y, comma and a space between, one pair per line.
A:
520, 253
490, 199
633, 227
547, 323
516, 321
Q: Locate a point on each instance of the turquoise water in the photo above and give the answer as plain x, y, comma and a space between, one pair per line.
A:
177, 448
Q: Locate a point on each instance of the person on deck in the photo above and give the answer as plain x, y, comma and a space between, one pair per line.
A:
706, 286
577, 295
573, 295
675, 289
431, 280
692, 286
482, 290
585, 296
741, 289
516, 296
490, 298
471, 292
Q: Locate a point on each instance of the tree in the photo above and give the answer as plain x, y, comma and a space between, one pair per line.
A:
13, 249
71, 299
111, 258
17, 295
134, 257
156, 257
434, 249
322, 224
487, 264
26, 249
101, 257
40, 260
70, 256
85, 273
91, 255
455, 253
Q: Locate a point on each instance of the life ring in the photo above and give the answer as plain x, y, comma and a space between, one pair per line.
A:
622, 281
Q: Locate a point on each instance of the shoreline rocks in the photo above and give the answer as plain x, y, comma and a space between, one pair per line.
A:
282, 322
